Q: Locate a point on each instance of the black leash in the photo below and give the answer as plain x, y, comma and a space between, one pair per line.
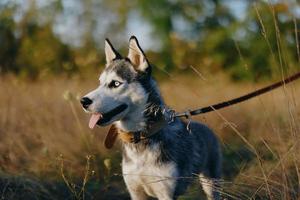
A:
231, 102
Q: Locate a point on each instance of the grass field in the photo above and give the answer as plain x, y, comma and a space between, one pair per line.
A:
48, 152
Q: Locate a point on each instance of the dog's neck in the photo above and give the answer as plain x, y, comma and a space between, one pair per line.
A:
134, 121
142, 115
136, 128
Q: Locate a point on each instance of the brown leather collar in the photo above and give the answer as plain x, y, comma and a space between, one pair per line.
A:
132, 137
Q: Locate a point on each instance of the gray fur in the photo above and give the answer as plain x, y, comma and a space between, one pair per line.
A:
123, 69
164, 164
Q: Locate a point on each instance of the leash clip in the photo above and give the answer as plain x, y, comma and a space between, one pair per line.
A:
187, 114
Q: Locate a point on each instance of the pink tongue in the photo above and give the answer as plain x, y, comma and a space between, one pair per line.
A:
94, 119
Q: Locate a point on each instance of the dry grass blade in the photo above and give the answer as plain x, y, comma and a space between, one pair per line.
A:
296, 37
79, 195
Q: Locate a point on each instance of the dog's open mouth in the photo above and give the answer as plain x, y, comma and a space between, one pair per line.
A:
99, 118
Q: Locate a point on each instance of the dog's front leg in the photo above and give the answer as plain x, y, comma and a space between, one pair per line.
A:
134, 187
165, 195
136, 192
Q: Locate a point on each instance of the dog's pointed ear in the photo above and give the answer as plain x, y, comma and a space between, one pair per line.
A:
137, 57
110, 52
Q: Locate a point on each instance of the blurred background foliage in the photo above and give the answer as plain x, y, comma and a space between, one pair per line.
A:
249, 40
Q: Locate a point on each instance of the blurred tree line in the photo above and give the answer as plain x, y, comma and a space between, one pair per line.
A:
249, 40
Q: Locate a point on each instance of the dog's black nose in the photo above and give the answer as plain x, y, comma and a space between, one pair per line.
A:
85, 101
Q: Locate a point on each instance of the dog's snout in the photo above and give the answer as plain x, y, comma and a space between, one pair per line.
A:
85, 101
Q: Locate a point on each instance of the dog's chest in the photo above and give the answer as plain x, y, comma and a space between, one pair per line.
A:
142, 169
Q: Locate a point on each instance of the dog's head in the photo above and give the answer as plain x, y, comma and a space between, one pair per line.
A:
121, 89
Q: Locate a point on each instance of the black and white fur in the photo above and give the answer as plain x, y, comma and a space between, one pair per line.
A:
160, 165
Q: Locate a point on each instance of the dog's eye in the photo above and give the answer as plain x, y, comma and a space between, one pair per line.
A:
114, 84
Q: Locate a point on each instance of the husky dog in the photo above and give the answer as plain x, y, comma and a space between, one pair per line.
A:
160, 158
